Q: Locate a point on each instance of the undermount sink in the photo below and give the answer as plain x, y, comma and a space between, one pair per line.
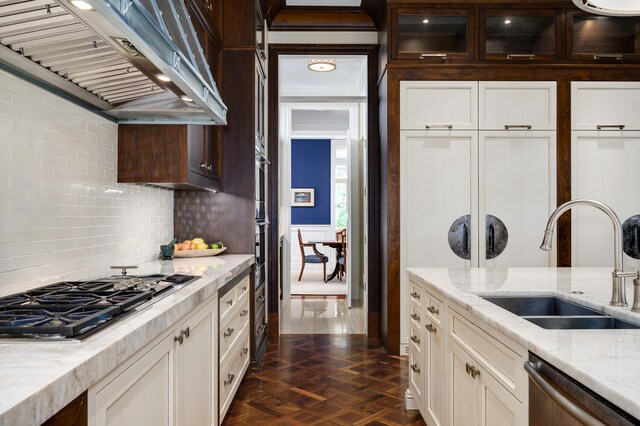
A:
558, 314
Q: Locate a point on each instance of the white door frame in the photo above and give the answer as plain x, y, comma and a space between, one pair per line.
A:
286, 133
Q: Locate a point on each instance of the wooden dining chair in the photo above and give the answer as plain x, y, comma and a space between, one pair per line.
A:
317, 257
342, 262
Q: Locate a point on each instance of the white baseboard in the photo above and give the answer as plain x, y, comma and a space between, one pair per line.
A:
409, 402
404, 349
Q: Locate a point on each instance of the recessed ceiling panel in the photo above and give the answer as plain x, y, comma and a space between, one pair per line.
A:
330, 3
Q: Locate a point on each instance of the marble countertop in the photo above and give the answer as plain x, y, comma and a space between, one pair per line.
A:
606, 361
37, 379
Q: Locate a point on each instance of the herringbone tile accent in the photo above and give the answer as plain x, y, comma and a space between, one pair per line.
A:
324, 380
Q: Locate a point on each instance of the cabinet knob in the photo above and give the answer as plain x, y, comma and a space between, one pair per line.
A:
229, 332
415, 317
209, 167
244, 351
244, 313
179, 339
431, 328
244, 288
415, 368
433, 310
229, 379
415, 295
187, 332
415, 340
261, 328
472, 371
260, 299
229, 302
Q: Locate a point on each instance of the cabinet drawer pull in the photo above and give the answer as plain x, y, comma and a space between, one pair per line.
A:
261, 328
517, 126
415, 340
229, 302
229, 332
244, 288
610, 126
415, 368
599, 56
433, 310
244, 313
431, 328
472, 371
244, 351
260, 299
415, 296
229, 379
209, 167
187, 332
179, 339
439, 126
415, 317
203, 165
520, 56
442, 56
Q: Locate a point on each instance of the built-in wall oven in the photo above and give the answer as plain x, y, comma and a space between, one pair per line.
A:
260, 326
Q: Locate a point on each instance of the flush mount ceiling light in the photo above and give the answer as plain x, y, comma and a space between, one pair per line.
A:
186, 98
507, 21
321, 65
610, 7
163, 77
425, 21
81, 4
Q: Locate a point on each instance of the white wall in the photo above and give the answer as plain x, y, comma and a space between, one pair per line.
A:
323, 37
62, 213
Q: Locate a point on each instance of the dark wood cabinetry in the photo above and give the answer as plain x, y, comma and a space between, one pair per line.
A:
433, 34
520, 34
173, 156
602, 38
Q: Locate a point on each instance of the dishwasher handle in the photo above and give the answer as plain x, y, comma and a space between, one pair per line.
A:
574, 410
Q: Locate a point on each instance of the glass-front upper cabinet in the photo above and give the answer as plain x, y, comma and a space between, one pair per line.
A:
520, 34
603, 38
434, 35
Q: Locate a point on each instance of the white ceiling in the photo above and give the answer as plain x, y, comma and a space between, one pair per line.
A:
345, 3
349, 79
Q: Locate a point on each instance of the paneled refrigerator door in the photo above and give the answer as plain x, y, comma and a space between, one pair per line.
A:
604, 167
517, 196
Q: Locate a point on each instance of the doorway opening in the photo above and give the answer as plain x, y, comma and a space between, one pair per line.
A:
322, 176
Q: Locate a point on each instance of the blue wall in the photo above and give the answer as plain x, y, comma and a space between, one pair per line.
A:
311, 168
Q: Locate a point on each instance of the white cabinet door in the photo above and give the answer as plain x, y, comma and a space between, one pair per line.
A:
142, 395
195, 361
517, 186
438, 105
416, 362
604, 167
517, 105
609, 104
438, 171
463, 389
434, 375
497, 406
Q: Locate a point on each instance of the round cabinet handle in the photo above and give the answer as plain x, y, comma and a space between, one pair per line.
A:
187, 332
229, 379
431, 328
433, 310
415, 317
415, 368
244, 351
179, 339
229, 332
244, 313
415, 340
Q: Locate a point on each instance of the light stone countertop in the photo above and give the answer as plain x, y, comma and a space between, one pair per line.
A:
606, 361
38, 378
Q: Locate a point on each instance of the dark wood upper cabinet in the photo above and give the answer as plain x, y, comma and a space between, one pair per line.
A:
602, 38
520, 34
260, 90
438, 35
173, 156
261, 34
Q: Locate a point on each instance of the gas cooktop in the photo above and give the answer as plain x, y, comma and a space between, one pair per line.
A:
78, 309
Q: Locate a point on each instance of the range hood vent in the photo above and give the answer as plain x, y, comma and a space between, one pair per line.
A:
138, 61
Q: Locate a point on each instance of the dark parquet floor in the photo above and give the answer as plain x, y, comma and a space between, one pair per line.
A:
324, 380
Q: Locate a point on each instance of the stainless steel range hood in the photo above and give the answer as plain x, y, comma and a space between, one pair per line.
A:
138, 61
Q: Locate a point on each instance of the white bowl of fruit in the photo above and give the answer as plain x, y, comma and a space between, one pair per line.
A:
198, 248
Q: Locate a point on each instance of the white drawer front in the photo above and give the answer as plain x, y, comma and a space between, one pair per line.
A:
438, 104
433, 309
232, 327
231, 374
227, 303
515, 103
596, 104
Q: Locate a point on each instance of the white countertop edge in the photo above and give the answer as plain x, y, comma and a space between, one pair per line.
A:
534, 338
30, 397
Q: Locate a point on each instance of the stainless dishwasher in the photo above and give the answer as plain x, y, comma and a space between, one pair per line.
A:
557, 399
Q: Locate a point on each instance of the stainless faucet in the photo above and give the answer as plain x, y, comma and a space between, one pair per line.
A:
618, 291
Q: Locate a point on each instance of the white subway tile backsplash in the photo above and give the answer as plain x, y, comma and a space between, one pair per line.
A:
62, 213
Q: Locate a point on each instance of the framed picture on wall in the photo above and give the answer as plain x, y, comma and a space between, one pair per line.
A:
303, 197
